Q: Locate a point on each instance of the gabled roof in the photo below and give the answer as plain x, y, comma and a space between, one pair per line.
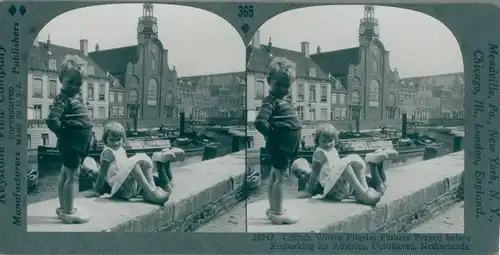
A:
337, 62
41, 54
115, 60
259, 59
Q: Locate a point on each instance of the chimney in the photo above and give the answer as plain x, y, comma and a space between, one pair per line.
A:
256, 40
48, 40
84, 47
305, 48
35, 42
318, 50
96, 47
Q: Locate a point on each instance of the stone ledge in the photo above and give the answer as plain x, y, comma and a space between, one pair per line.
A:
415, 193
202, 191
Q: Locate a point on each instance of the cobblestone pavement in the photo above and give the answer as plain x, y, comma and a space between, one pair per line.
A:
235, 220
450, 221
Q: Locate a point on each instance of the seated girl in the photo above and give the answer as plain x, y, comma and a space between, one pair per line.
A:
131, 177
335, 178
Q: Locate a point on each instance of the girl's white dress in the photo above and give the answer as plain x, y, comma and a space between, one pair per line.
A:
331, 171
121, 167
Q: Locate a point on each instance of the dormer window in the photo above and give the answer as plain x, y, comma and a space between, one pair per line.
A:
52, 65
90, 70
312, 72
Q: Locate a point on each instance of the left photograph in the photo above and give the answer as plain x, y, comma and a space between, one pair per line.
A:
136, 124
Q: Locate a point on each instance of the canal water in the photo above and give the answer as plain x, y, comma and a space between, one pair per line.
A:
47, 186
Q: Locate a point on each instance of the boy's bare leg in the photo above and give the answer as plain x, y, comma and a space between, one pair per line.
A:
151, 194
272, 180
70, 189
60, 189
277, 191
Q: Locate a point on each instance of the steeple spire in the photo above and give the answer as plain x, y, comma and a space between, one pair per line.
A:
368, 25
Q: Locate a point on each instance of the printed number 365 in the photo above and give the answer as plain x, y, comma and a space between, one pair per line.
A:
245, 11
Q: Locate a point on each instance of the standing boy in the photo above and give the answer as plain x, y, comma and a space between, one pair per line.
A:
70, 121
278, 122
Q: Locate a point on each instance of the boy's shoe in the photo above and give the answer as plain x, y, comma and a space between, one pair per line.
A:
79, 216
283, 219
369, 197
391, 153
376, 157
59, 211
163, 156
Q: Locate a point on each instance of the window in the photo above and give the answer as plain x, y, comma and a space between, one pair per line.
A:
102, 92
52, 88
300, 112
120, 111
91, 112
324, 92
375, 66
312, 112
153, 64
37, 112
29, 141
342, 99
337, 113
312, 93
259, 90
152, 91
114, 112
90, 92
45, 139
374, 93
101, 112
90, 70
392, 99
343, 113
120, 97
312, 72
111, 97
300, 92
169, 111
38, 88
324, 114
355, 97
334, 98
52, 65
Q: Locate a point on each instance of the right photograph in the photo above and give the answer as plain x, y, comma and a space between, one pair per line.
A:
357, 119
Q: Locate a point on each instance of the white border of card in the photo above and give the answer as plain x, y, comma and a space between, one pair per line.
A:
475, 26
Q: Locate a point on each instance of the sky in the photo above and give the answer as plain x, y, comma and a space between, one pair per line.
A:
200, 42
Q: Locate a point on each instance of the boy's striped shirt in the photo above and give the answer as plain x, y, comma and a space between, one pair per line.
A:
68, 112
278, 114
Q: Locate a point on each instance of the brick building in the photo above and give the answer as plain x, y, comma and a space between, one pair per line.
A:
365, 72
43, 85
143, 83
224, 94
435, 96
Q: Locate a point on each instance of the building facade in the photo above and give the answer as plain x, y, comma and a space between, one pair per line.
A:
365, 73
434, 96
143, 85
311, 92
223, 94
43, 85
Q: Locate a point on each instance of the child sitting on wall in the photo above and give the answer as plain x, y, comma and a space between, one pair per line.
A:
131, 177
335, 178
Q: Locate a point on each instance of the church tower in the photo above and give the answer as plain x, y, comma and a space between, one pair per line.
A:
147, 26
368, 27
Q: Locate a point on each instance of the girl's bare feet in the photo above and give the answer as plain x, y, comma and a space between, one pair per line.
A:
369, 197
158, 196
